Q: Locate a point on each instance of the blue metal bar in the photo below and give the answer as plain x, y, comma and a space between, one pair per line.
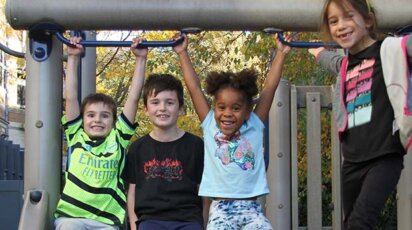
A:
298, 44
144, 44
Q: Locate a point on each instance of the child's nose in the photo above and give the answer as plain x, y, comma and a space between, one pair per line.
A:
162, 106
98, 118
341, 24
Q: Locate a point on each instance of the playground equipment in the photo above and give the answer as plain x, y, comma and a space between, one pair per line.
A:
44, 70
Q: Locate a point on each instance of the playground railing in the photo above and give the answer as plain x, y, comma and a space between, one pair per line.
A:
11, 184
292, 106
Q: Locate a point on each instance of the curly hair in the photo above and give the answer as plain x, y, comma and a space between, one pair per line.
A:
244, 81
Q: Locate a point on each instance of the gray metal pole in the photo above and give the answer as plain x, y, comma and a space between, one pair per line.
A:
42, 161
292, 15
88, 72
278, 206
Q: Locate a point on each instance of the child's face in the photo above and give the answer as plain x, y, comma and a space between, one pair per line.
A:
231, 110
97, 120
348, 28
163, 109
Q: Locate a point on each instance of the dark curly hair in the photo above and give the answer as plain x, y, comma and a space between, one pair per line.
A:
244, 81
157, 83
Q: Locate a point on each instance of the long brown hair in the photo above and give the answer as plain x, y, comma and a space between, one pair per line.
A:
363, 7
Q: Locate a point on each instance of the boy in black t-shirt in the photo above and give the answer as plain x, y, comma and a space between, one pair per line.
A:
164, 167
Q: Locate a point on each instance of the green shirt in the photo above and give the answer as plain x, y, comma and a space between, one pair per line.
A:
93, 187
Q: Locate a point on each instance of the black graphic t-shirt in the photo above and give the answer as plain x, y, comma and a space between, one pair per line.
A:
369, 131
167, 175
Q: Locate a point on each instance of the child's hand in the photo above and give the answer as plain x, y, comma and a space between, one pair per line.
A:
139, 52
75, 48
182, 46
282, 47
316, 51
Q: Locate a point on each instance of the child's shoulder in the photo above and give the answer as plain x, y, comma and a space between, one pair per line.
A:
192, 136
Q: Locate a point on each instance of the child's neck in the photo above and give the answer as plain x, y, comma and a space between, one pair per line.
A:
166, 135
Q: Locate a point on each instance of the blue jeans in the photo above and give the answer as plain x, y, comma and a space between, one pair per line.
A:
236, 215
65, 223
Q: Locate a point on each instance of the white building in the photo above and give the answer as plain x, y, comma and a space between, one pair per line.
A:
12, 85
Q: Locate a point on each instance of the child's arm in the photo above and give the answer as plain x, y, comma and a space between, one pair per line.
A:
329, 60
206, 206
272, 81
130, 206
72, 104
192, 81
409, 49
130, 107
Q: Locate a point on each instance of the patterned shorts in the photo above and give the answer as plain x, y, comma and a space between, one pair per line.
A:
237, 215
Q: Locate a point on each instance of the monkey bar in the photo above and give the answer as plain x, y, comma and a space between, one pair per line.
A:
289, 15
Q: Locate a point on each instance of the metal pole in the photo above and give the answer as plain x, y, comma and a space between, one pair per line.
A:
290, 15
42, 161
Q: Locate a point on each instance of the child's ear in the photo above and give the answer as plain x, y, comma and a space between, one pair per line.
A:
181, 110
145, 110
370, 21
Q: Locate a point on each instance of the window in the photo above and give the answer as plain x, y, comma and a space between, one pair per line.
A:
2, 74
21, 98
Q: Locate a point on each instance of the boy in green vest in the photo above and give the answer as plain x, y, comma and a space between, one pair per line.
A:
94, 193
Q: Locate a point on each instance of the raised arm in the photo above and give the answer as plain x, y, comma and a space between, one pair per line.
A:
272, 81
191, 79
71, 91
130, 106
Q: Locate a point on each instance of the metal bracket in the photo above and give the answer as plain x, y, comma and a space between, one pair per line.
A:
40, 43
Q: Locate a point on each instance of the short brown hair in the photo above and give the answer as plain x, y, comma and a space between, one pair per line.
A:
97, 98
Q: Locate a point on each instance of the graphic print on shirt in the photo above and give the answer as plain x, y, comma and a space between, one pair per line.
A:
167, 169
234, 149
358, 96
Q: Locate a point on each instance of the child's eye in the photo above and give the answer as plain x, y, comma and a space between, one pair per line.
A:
332, 22
348, 15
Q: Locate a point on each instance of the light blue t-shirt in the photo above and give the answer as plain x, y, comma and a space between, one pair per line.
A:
233, 168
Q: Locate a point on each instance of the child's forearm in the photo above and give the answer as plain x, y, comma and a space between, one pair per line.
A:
191, 79
193, 85
270, 85
71, 87
409, 49
135, 88
130, 206
330, 60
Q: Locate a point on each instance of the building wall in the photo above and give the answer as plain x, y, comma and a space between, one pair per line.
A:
12, 86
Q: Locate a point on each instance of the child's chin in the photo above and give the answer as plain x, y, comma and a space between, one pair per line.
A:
97, 136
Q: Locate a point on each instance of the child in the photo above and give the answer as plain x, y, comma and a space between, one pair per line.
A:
94, 193
234, 173
164, 167
372, 150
